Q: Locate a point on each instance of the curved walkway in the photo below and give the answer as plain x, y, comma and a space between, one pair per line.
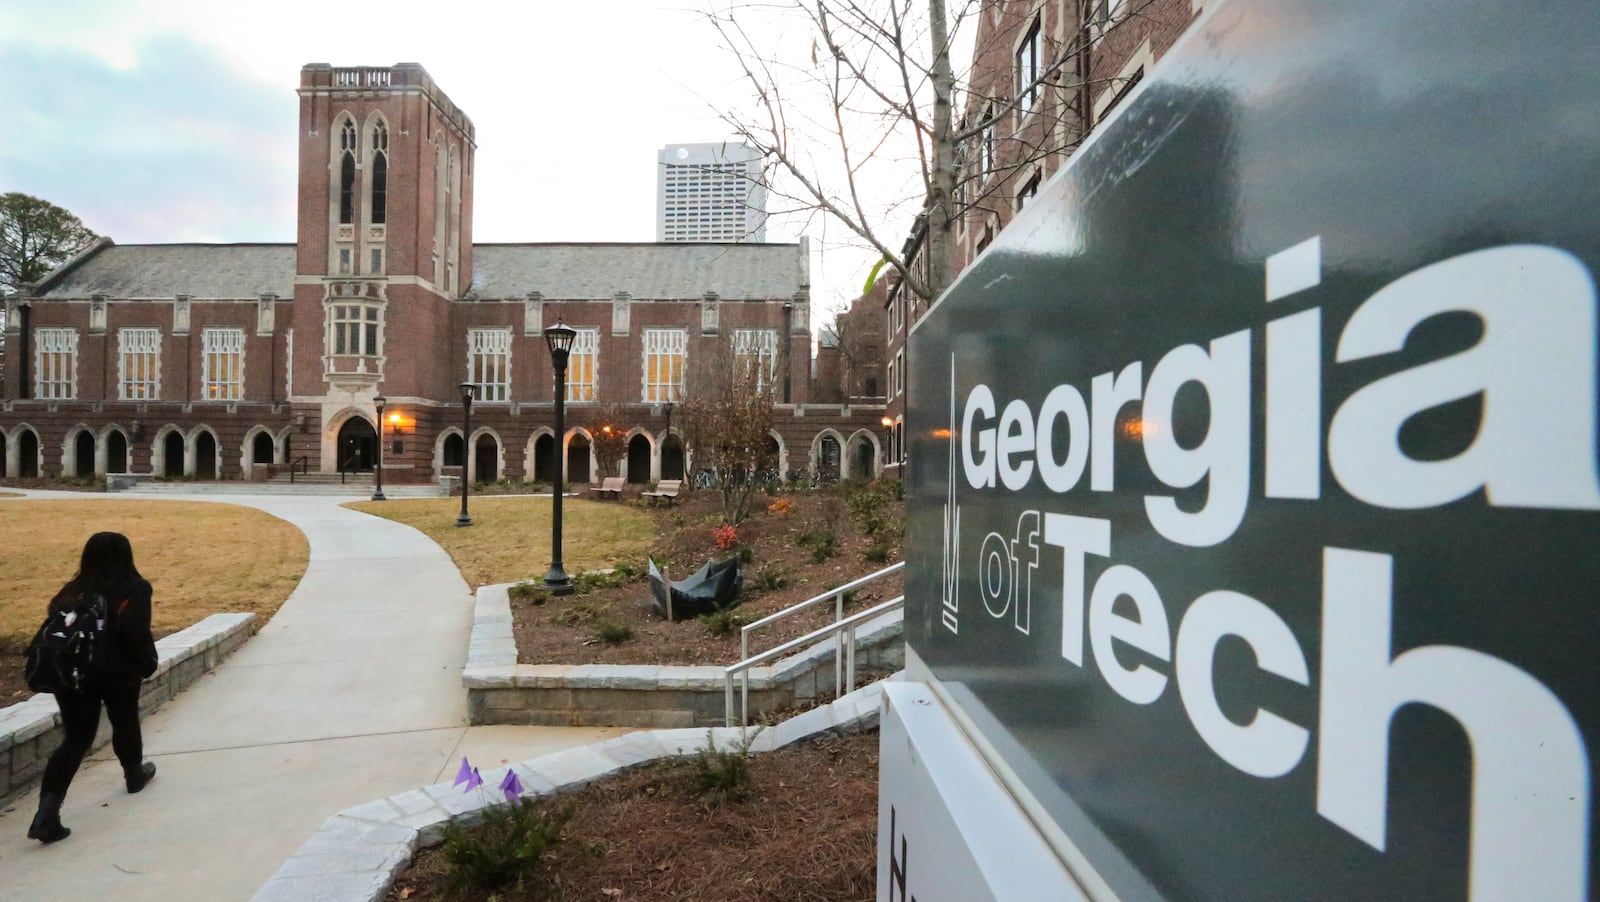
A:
351, 692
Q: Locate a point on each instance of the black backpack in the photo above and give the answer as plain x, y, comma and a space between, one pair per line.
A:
67, 649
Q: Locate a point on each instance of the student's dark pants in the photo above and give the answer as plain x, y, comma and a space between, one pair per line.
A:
80, 718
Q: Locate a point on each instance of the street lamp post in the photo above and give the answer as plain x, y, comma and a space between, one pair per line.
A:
377, 467
467, 389
559, 337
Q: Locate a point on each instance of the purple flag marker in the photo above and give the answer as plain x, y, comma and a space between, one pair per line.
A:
512, 787
474, 781
464, 775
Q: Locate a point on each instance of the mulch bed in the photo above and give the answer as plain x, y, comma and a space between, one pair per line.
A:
808, 831
564, 630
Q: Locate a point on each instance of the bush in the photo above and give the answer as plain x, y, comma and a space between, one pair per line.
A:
503, 849
612, 632
746, 554
723, 775
878, 553
620, 575
726, 536
781, 506
722, 623
532, 592
820, 541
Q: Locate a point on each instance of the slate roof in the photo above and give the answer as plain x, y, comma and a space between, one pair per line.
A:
164, 270
557, 271
646, 271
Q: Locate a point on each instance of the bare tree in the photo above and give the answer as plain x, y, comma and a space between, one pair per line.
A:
608, 426
729, 421
880, 89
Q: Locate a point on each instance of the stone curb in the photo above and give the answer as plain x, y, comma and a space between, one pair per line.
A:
30, 730
501, 691
356, 855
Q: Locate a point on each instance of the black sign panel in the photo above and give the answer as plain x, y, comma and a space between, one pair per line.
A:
1254, 467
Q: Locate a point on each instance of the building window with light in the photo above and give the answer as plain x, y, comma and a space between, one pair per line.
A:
583, 365
222, 364
353, 329
489, 363
757, 349
138, 364
55, 364
664, 352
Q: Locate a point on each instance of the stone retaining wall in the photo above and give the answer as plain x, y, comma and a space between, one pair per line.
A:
356, 855
501, 691
31, 730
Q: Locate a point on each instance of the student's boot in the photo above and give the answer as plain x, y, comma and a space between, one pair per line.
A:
46, 826
136, 779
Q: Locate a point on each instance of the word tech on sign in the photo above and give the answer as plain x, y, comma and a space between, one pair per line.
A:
1535, 370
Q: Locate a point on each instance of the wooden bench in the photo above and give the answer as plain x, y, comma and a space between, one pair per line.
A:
666, 490
610, 487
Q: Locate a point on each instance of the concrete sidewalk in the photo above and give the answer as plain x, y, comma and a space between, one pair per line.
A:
352, 692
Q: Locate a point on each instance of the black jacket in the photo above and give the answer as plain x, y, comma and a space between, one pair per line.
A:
130, 646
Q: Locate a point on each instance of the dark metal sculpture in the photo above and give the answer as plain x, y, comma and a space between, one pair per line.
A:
713, 587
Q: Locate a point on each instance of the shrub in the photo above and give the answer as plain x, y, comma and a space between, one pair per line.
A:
820, 541
503, 849
878, 553
532, 592
746, 553
781, 506
575, 614
726, 536
722, 623
770, 580
723, 775
612, 632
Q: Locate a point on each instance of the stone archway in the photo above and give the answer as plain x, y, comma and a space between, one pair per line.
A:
672, 457
83, 454
206, 465
358, 446
172, 454
638, 460
262, 448
485, 458
116, 452
28, 454
544, 459
4, 447
578, 454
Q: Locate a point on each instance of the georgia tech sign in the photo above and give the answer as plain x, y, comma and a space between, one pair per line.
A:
1534, 371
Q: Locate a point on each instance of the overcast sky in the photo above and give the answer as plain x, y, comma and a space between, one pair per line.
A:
175, 120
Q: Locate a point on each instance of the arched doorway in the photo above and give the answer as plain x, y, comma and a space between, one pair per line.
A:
865, 463
172, 454
770, 471
638, 460
28, 454
358, 446
486, 456
544, 459
205, 456
578, 459
828, 459
261, 448
672, 457
3, 458
455, 451
116, 452
83, 454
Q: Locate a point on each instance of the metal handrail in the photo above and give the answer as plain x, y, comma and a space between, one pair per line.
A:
303, 462
844, 627
346, 463
837, 594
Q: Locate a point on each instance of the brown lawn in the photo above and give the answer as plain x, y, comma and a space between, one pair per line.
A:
200, 558
509, 539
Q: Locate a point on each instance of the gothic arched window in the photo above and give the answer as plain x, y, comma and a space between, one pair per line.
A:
380, 174
347, 171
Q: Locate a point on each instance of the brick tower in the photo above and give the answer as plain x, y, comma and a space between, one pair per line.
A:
384, 245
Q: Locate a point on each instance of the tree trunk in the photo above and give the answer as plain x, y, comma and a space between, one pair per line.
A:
936, 246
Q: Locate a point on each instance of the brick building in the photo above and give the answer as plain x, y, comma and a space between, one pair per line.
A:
1044, 74
227, 361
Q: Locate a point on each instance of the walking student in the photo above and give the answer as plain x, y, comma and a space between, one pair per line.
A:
108, 584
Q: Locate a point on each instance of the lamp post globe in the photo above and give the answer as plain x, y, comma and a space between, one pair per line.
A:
467, 389
377, 461
559, 337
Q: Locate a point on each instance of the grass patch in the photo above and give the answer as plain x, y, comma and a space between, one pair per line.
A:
509, 540
201, 558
